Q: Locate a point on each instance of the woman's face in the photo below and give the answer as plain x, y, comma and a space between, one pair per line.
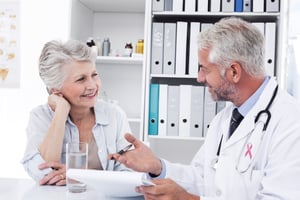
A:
81, 85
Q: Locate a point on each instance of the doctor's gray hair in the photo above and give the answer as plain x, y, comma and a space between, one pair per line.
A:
55, 54
234, 40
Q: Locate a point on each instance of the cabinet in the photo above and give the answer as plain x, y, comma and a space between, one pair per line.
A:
122, 78
180, 148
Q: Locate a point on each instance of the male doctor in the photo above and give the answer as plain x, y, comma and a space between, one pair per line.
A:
261, 159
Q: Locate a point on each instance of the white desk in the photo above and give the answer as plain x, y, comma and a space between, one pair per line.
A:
26, 189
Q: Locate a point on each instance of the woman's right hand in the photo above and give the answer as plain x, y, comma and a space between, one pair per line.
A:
57, 100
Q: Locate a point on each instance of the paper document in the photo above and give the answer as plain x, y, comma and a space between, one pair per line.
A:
111, 183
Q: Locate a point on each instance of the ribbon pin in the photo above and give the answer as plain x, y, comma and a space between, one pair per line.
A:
248, 152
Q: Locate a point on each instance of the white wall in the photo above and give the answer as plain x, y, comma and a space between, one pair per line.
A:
40, 21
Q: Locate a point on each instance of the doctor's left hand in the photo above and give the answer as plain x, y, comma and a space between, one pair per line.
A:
165, 189
56, 177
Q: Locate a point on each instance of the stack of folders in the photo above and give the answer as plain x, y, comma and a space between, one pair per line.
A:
191, 6
172, 54
180, 110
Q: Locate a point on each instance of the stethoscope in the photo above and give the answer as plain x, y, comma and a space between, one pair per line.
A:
254, 138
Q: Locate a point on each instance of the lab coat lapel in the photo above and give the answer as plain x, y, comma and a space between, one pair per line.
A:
247, 125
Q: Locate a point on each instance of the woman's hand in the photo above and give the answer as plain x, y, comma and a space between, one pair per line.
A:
140, 158
56, 177
165, 189
56, 99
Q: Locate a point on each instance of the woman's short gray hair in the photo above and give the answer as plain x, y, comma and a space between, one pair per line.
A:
234, 40
55, 54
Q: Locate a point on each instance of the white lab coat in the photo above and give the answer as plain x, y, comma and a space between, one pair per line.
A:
274, 172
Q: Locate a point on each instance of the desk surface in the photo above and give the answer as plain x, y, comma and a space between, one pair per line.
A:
26, 189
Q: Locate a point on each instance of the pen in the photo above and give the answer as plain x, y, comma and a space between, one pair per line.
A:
125, 149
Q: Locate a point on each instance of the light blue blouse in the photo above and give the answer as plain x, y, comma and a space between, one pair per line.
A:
111, 125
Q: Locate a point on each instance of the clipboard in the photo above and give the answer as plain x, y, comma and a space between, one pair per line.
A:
111, 183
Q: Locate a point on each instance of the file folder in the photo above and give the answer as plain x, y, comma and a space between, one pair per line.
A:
247, 6
258, 6
163, 109
169, 48
157, 48
215, 5
209, 110
153, 109
260, 26
272, 5
197, 110
205, 26
238, 6
168, 5
173, 110
193, 50
270, 42
227, 5
190, 6
177, 5
181, 46
158, 5
185, 92
220, 106
202, 6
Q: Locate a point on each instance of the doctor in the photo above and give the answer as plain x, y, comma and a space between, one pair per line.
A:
260, 160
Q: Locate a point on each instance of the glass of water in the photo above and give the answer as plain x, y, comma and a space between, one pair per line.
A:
76, 158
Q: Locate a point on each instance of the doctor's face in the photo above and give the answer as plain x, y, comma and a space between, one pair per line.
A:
81, 84
209, 73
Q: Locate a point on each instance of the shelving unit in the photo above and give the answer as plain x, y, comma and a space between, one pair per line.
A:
122, 78
165, 146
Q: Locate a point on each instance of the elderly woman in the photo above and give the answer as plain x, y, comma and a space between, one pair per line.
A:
73, 113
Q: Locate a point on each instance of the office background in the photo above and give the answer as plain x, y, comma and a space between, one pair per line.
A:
43, 20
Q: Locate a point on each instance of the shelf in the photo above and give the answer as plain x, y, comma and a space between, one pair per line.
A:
214, 16
175, 138
127, 6
172, 76
136, 120
119, 60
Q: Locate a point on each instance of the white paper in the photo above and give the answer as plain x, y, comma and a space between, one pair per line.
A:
111, 183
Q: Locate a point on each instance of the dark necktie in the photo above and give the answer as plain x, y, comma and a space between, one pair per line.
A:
236, 119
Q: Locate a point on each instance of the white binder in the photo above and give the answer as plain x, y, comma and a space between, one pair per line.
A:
157, 48
173, 110
193, 51
260, 26
185, 92
190, 6
247, 5
169, 48
162, 110
227, 5
205, 26
158, 5
272, 5
177, 5
202, 6
168, 5
209, 110
215, 5
258, 6
181, 41
270, 42
197, 110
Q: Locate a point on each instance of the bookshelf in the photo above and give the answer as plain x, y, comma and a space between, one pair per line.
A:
122, 78
192, 144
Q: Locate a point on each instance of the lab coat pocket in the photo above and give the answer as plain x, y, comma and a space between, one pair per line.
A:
253, 181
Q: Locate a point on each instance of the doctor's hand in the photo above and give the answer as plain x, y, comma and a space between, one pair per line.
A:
56, 177
165, 189
141, 158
